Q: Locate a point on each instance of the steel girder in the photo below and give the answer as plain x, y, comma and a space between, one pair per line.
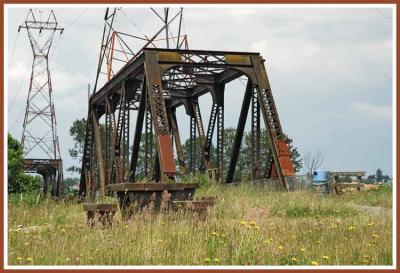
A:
162, 80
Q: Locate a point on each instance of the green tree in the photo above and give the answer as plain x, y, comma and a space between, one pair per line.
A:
18, 181
379, 175
77, 132
14, 163
243, 165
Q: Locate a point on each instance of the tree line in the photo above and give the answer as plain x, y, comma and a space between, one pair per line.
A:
243, 167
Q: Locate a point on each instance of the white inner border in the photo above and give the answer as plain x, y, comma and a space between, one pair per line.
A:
280, 6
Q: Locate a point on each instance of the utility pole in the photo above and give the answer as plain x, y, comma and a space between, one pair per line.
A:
39, 138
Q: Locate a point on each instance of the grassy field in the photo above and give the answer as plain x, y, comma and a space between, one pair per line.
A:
248, 226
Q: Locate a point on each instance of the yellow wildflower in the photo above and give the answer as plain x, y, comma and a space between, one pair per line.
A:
257, 227
160, 241
243, 223
29, 259
369, 245
223, 235
19, 258
371, 224
303, 249
67, 259
126, 226
216, 260
280, 247
375, 235
318, 242
345, 238
62, 230
207, 260
314, 263
325, 257
366, 261
252, 223
266, 242
215, 234
294, 259
367, 256
26, 244
350, 228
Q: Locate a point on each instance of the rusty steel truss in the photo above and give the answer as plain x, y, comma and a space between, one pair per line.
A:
39, 137
155, 84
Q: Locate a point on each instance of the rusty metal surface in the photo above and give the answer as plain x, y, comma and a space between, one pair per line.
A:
170, 79
167, 154
122, 187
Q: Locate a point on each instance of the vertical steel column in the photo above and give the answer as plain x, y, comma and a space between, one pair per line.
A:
200, 129
192, 146
255, 136
125, 139
210, 132
220, 131
93, 160
160, 116
99, 154
53, 183
148, 162
87, 156
118, 168
110, 140
60, 179
138, 131
177, 138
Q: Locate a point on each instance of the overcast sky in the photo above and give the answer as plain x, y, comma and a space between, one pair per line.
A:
330, 71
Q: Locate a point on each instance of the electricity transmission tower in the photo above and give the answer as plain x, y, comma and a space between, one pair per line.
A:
39, 137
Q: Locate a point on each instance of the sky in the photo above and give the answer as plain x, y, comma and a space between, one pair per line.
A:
330, 71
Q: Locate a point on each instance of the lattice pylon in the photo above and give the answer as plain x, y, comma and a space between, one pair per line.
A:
39, 137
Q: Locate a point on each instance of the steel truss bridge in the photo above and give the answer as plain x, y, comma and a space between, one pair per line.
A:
155, 84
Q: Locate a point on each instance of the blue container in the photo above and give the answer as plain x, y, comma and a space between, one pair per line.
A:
320, 182
320, 177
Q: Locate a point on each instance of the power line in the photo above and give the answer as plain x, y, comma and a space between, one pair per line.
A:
17, 120
19, 89
13, 50
133, 23
73, 21
56, 44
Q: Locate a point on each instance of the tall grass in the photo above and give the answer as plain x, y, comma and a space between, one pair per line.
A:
248, 226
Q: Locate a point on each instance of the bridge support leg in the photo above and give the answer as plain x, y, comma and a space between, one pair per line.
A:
239, 131
138, 133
